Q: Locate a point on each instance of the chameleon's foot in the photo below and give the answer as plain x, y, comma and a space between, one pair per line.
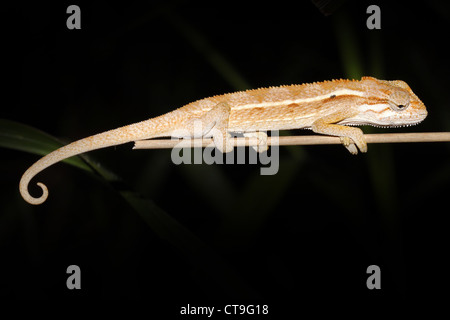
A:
357, 137
223, 142
262, 140
348, 143
352, 138
352, 147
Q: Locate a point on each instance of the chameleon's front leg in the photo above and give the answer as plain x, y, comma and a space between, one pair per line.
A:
351, 137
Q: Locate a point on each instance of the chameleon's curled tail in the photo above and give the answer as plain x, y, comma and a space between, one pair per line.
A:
137, 131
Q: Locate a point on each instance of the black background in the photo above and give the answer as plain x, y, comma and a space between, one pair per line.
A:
304, 235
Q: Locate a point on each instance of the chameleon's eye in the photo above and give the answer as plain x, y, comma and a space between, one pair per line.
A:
399, 100
398, 107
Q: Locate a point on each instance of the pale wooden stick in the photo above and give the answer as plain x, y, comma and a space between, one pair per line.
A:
295, 140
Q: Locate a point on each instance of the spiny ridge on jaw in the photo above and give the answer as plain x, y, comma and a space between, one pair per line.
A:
383, 126
395, 125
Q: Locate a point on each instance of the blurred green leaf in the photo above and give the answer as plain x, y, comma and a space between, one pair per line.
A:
18, 136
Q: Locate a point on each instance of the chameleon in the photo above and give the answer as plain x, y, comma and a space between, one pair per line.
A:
334, 107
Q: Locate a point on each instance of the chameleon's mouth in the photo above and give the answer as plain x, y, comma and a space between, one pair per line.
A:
405, 122
403, 125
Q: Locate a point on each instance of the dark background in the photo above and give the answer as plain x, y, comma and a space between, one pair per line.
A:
226, 234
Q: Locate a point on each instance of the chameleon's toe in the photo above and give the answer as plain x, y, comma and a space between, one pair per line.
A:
363, 147
361, 143
349, 145
262, 141
229, 145
352, 148
346, 141
223, 142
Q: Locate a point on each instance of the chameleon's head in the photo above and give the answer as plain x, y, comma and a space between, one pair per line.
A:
391, 104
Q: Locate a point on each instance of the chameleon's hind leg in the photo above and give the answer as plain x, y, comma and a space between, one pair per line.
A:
262, 140
213, 123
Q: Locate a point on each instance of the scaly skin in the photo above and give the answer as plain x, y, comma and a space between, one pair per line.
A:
328, 107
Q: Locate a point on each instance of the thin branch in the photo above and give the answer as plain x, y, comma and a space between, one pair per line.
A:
295, 140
